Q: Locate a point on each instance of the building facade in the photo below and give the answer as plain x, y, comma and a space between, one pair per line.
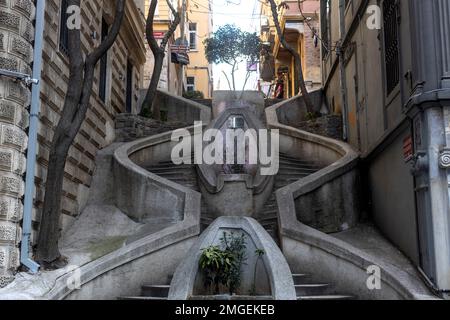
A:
300, 27
116, 88
195, 74
386, 70
199, 72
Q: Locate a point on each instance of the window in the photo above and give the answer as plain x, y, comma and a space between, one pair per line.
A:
391, 50
63, 30
325, 27
193, 36
103, 65
190, 84
129, 97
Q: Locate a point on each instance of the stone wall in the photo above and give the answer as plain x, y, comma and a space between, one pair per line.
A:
130, 127
16, 34
327, 125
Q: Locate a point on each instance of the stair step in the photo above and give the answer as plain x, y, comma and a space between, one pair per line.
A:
295, 166
176, 173
161, 291
311, 289
142, 298
266, 219
300, 172
286, 156
326, 297
300, 278
162, 166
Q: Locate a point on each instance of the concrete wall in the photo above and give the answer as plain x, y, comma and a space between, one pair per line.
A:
374, 117
294, 110
155, 267
130, 127
393, 200
180, 109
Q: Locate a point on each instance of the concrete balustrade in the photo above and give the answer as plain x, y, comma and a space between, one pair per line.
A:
335, 189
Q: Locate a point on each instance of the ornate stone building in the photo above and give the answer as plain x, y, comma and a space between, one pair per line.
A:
115, 90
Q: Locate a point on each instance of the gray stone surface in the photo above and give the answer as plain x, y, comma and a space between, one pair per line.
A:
250, 100
326, 125
187, 282
235, 194
143, 195
176, 108
129, 127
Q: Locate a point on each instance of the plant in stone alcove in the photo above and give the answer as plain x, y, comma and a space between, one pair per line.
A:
259, 254
222, 265
215, 265
235, 245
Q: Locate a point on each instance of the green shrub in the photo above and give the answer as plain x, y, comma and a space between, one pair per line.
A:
222, 265
193, 95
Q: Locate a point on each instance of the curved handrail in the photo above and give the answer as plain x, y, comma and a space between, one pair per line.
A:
188, 228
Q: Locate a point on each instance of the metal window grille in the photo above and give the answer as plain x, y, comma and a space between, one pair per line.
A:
64, 31
391, 49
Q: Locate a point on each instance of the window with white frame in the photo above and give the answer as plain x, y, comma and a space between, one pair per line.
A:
193, 36
190, 84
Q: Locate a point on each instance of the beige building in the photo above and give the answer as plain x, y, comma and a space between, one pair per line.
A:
199, 73
115, 90
170, 79
298, 27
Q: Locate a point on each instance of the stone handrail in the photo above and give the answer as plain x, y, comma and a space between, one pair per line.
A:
128, 175
315, 250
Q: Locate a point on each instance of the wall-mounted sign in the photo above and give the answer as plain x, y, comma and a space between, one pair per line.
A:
159, 34
408, 149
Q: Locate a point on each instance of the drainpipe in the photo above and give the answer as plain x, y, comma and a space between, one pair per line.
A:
32, 140
343, 80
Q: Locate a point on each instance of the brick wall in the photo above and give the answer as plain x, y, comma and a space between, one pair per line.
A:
312, 54
97, 130
130, 127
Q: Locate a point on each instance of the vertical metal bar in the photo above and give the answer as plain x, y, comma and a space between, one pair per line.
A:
32, 139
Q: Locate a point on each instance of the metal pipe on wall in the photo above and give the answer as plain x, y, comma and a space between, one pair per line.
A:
32, 140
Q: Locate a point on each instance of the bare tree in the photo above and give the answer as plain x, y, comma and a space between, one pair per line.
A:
159, 52
294, 53
79, 90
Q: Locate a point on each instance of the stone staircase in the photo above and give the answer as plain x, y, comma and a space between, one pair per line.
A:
291, 170
308, 289
185, 175
305, 288
152, 292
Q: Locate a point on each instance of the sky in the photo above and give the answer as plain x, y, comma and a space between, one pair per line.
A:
245, 15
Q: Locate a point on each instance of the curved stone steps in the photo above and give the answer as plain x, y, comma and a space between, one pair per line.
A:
185, 175
291, 170
151, 293
308, 289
